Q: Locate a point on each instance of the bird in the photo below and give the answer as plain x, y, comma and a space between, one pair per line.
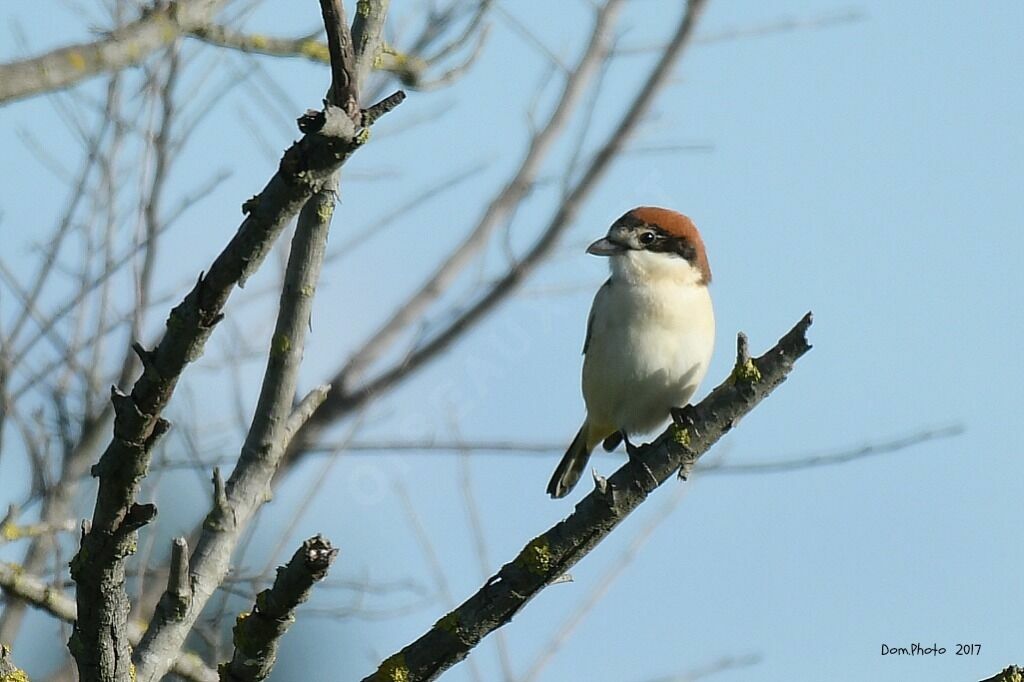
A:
650, 334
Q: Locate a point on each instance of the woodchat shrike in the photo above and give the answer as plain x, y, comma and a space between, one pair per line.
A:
650, 334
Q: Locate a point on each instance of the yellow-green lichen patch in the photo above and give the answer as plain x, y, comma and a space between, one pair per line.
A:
324, 211
395, 60
133, 544
364, 8
399, 57
10, 532
394, 669
536, 557
363, 136
681, 436
315, 50
281, 345
258, 41
17, 675
77, 60
746, 373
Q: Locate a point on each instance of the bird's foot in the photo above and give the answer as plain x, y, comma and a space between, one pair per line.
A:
633, 451
683, 416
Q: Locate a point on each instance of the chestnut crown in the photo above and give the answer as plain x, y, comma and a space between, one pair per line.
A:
662, 230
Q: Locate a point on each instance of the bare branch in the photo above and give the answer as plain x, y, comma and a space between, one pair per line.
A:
10, 530
551, 554
178, 596
9, 671
832, 458
265, 444
373, 230
15, 581
76, 195
482, 554
127, 46
531, 39
248, 487
785, 25
344, 90
409, 68
257, 633
304, 47
308, 168
713, 668
303, 411
57, 504
1013, 673
766, 465
368, 36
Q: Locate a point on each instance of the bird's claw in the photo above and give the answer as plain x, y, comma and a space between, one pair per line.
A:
683, 416
632, 451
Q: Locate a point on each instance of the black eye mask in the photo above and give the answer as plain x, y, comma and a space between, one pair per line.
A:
663, 242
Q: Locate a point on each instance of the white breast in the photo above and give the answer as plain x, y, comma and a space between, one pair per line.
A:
650, 344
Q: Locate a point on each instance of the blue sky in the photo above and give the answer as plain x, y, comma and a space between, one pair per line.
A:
870, 172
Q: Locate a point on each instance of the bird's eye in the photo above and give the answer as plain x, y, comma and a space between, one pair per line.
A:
646, 237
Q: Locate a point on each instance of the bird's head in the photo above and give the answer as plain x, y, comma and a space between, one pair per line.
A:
652, 243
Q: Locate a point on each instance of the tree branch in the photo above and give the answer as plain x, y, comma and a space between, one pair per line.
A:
8, 671
15, 581
368, 36
258, 632
409, 70
99, 567
127, 46
275, 422
551, 554
344, 90
248, 485
1011, 673
11, 530
430, 447
99, 643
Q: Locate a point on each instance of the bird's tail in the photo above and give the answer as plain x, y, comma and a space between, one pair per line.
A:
569, 470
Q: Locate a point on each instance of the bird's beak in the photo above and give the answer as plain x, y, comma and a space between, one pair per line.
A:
605, 247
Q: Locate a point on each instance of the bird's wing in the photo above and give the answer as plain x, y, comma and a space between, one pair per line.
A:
603, 291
